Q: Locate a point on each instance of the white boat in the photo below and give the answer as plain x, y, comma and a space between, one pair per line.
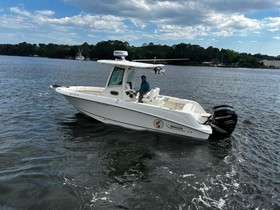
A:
117, 104
80, 56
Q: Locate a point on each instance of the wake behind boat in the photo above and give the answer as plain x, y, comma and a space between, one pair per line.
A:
117, 104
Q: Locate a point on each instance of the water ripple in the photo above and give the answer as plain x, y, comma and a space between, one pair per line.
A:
51, 157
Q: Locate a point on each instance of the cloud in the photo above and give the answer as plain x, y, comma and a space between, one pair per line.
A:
147, 19
38, 25
239, 6
45, 18
19, 11
183, 19
276, 37
272, 23
177, 11
107, 22
45, 12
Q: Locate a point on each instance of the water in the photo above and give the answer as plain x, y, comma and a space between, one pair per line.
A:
51, 157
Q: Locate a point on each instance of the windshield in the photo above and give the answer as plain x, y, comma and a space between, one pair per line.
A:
116, 77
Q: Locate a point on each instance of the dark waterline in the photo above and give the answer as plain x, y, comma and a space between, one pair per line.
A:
52, 157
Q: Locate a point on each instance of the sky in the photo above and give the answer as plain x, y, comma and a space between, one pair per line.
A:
250, 26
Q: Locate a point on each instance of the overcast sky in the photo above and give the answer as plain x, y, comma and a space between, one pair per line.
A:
251, 26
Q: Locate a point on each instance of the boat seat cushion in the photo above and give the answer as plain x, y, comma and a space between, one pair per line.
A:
152, 97
153, 93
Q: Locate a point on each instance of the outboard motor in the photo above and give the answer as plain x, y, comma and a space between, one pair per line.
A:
223, 121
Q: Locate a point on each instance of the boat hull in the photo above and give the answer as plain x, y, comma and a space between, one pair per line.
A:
136, 116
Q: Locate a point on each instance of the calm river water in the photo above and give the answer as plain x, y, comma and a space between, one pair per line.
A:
51, 157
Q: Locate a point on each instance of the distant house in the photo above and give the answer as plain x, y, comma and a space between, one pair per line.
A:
271, 63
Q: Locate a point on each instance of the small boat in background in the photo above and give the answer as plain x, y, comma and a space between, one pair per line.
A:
79, 55
117, 103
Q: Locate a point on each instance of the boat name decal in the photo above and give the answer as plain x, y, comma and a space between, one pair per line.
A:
176, 127
158, 123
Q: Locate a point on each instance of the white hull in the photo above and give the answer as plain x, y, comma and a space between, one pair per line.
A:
135, 115
80, 58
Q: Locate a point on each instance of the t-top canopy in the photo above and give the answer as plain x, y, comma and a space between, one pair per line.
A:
132, 64
125, 63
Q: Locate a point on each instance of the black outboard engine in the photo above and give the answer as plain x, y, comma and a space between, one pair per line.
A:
223, 121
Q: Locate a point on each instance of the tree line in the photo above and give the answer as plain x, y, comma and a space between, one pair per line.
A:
192, 54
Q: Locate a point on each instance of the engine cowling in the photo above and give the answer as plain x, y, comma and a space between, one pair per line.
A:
223, 121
